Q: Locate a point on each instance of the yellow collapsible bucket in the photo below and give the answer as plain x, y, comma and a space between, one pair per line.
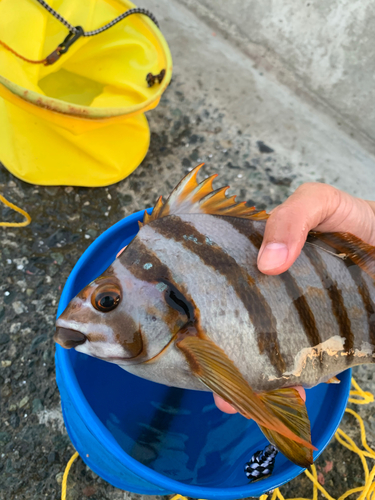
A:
79, 121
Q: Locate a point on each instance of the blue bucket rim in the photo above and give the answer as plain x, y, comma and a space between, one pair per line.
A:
93, 423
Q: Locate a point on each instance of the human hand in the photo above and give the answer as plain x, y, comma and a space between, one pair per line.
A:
312, 206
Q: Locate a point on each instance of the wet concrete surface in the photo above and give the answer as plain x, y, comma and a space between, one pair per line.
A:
36, 261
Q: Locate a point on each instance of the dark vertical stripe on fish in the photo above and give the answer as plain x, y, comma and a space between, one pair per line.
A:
256, 239
146, 266
368, 303
131, 337
143, 263
335, 295
303, 309
212, 255
246, 228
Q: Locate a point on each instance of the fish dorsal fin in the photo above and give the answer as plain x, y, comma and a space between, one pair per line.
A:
191, 197
346, 246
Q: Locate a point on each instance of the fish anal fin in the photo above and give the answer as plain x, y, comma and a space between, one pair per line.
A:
212, 367
289, 407
191, 197
346, 245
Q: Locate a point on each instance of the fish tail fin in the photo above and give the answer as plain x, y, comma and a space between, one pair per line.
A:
288, 406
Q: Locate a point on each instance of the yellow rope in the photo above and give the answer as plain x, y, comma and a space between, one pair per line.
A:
16, 209
65, 476
367, 492
367, 397
357, 396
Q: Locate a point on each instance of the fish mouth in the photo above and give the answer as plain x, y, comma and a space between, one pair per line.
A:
68, 338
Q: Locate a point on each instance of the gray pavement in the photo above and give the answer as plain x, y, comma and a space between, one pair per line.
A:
223, 107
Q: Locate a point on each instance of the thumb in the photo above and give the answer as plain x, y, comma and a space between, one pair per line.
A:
287, 228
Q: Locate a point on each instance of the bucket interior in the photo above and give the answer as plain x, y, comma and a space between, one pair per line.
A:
178, 433
106, 70
70, 87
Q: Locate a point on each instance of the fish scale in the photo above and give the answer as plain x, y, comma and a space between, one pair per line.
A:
232, 235
356, 324
216, 317
314, 371
185, 305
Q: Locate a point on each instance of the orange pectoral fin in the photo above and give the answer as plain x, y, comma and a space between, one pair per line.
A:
295, 452
290, 408
213, 367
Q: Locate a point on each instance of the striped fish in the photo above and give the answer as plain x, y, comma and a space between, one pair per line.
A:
185, 305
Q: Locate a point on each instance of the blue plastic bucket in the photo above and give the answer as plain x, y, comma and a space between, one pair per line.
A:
152, 439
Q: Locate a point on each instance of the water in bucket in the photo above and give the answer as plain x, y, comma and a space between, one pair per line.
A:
176, 432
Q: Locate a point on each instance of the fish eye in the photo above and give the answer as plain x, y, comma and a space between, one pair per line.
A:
106, 297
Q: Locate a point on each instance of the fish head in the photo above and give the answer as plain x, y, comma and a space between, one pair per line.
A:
120, 318
96, 322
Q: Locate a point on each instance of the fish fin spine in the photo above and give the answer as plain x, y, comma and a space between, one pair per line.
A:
346, 246
192, 197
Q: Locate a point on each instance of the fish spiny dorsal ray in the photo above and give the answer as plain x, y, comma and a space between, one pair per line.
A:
191, 197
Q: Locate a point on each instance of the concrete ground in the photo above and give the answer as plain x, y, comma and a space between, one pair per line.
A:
264, 138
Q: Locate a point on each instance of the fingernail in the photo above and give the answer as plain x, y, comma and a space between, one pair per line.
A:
274, 255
